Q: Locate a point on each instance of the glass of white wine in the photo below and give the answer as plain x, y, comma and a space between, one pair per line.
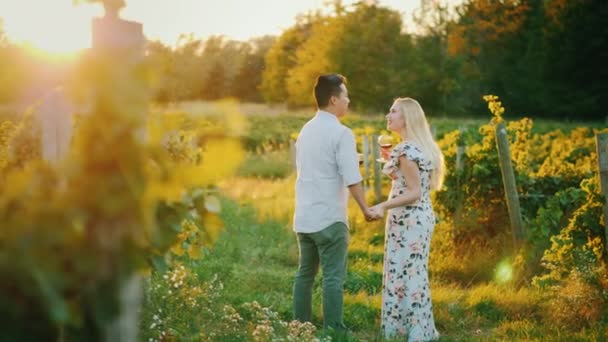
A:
386, 143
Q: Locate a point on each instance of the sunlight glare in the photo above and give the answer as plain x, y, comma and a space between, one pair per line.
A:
55, 27
504, 272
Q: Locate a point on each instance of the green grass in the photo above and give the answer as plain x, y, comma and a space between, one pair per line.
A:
256, 260
251, 258
271, 165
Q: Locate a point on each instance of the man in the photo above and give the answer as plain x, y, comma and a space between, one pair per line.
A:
327, 164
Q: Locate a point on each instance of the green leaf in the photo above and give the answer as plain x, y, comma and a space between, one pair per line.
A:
56, 305
159, 263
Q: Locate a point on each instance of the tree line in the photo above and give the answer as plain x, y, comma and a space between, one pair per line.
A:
544, 57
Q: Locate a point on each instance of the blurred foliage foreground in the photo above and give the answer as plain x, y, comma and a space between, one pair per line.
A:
76, 233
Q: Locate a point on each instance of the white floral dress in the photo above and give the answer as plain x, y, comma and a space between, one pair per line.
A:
406, 298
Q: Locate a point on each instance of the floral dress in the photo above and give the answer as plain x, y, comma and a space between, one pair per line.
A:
406, 299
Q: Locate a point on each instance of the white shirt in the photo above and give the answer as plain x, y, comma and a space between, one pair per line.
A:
326, 160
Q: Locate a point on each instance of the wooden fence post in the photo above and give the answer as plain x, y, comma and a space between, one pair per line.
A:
508, 177
377, 168
365, 163
602, 161
460, 149
292, 153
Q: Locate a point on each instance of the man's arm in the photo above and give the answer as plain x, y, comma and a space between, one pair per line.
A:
348, 167
356, 190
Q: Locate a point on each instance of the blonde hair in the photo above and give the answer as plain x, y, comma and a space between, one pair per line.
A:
417, 130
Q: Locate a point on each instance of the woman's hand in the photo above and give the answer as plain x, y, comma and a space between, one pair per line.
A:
378, 210
372, 215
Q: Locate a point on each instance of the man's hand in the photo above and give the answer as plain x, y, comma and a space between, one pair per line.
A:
373, 214
377, 210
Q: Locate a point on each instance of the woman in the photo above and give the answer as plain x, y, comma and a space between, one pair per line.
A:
416, 167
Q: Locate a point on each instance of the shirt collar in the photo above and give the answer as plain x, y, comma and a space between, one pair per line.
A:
324, 114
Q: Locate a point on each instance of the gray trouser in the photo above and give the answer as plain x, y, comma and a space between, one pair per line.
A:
329, 246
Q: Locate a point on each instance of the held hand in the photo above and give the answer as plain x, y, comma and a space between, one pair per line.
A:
373, 214
378, 210
369, 215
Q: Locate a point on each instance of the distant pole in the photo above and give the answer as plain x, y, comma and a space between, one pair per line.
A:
55, 115
460, 149
365, 162
292, 153
377, 168
122, 44
602, 161
508, 177
118, 46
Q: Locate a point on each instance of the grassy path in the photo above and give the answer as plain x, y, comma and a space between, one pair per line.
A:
256, 260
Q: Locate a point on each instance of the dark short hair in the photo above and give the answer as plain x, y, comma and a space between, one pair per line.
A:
326, 87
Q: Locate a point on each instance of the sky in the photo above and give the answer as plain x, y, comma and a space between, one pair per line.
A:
57, 26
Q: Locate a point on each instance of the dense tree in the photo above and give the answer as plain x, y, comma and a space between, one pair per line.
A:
374, 56
13, 74
543, 57
576, 51
281, 57
245, 85
312, 58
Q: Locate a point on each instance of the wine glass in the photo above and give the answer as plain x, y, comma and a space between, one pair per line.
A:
386, 143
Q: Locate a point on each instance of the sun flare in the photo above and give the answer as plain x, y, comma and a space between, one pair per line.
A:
53, 27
